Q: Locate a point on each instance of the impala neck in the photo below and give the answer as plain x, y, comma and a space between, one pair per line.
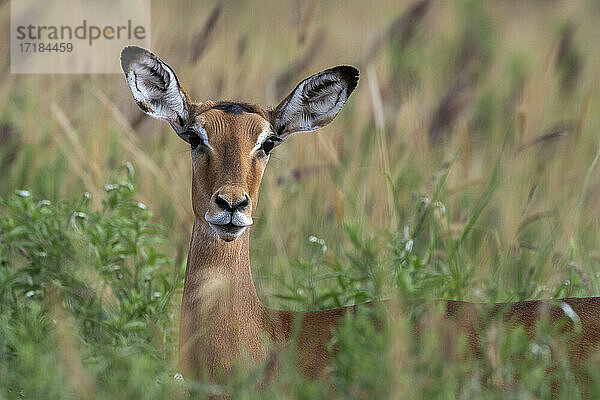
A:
219, 268
221, 314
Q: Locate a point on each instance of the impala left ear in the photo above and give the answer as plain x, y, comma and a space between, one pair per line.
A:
315, 101
155, 87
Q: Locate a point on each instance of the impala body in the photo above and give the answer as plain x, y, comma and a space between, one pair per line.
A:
222, 318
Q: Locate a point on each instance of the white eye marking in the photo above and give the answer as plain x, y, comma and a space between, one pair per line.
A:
204, 137
261, 138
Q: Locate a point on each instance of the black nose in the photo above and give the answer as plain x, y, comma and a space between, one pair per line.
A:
223, 203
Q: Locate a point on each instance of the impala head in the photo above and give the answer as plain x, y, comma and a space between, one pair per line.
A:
231, 142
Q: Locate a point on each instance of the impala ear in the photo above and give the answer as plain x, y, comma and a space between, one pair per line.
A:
155, 87
315, 101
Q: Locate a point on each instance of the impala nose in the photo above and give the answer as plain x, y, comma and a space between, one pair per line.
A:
229, 212
229, 205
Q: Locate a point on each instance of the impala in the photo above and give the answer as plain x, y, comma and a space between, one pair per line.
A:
222, 317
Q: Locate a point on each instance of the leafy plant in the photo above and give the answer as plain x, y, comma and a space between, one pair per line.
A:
88, 281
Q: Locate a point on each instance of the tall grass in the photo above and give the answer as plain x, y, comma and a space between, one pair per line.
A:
463, 167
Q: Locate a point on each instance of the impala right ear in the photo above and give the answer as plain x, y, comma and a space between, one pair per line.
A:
155, 87
314, 102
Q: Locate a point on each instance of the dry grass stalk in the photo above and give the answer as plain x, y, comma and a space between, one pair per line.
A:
338, 203
399, 32
242, 44
283, 80
68, 350
7, 134
521, 126
534, 217
128, 140
297, 174
376, 102
76, 157
585, 278
378, 114
568, 62
558, 131
306, 19
467, 184
584, 113
458, 96
203, 39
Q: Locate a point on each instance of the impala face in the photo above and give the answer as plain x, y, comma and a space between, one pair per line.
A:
228, 165
231, 142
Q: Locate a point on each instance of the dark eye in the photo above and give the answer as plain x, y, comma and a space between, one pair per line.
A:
269, 143
194, 139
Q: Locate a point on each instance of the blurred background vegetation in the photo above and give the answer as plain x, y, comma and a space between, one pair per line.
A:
463, 167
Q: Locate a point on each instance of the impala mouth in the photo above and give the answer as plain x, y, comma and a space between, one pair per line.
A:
227, 225
227, 232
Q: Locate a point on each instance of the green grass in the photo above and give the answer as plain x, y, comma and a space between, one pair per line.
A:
480, 183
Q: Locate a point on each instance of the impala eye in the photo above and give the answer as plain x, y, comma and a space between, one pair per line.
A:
194, 139
269, 143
